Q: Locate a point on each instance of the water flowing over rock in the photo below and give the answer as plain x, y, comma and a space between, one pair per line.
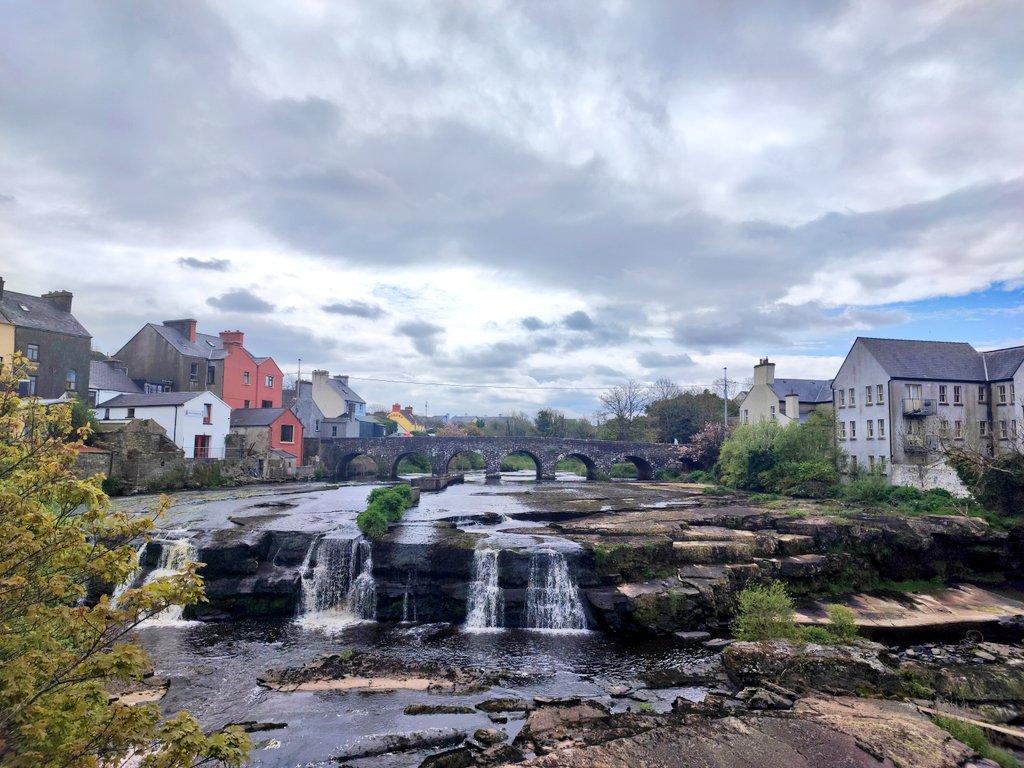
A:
409, 612
486, 607
340, 587
552, 599
174, 555
119, 590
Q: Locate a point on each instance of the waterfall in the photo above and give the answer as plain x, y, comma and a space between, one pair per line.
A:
485, 608
552, 599
409, 596
115, 596
174, 555
340, 588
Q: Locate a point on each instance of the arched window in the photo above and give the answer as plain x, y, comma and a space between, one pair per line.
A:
72, 383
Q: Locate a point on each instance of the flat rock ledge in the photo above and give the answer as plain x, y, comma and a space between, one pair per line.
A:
360, 671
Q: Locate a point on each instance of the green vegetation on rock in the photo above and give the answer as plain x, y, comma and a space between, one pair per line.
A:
384, 505
765, 613
975, 738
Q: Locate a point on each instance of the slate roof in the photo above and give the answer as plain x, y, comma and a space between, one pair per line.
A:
345, 391
205, 346
255, 417
152, 399
26, 311
104, 376
939, 360
808, 390
1003, 363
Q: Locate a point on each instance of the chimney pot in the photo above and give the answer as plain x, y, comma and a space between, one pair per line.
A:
60, 299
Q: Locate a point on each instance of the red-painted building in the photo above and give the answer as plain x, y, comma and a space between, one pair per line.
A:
262, 431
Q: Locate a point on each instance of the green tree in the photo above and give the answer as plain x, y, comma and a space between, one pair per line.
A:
550, 423
58, 654
682, 416
765, 613
82, 416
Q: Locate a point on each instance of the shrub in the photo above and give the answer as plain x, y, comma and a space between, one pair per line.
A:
765, 612
372, 522
816, 635
384, 505
975, 738
842, 623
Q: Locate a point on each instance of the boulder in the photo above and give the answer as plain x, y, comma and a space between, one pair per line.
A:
379, 744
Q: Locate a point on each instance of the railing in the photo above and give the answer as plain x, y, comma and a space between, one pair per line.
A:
919, 443
916, 406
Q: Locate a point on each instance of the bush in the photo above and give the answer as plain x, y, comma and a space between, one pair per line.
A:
818, 635
842, 623
975, 738
372, 522
384, 505
765, 613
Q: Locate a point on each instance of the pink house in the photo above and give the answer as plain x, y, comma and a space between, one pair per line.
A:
263, 431
249, 382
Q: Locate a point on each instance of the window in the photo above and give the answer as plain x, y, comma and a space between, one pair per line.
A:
981, 394
270, 382
1002, 394
853, 464
1012, 394
852, 401
1004, 433
958, 430
334, 431
211, 374
1013, 429
871, 463
287, 433
842, 398
27, 387
944, 427
106, 413
317, 427
746, 416
773, 412
266, 404
131, 413
880, 390
881, 427
958, 398
245, 377
881, 463
32, 352
245, 403
983, 428
71, 382
867, 395
193, 372
942, 394
201, 447
871, 430
853, 430
912, 391
207, 413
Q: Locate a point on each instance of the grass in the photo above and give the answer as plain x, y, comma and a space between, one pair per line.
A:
912, 585
975, 738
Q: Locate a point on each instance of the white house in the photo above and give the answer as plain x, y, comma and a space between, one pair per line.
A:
782, 400
197, 422
108, 379
900, 403
341, 407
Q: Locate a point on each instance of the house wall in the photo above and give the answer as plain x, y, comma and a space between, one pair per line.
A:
307, 411
1011, 412
250, 441
6, 343
149, 356
328, 400
294, 447
142, 455
183, 422
58, 353
238, 363
273, 393
859, 370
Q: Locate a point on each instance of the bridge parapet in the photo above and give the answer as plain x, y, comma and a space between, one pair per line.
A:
597, 455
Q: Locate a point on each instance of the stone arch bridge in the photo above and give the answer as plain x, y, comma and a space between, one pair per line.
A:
597, 455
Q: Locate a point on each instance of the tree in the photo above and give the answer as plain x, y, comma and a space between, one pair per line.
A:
550, 423
623, 405
664, 389
705, 446
997, 482
680, 417
58, 653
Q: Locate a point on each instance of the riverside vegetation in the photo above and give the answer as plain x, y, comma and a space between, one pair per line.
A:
385, 505
61, 658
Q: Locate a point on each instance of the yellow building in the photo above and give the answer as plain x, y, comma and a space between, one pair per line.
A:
6, 342
404, 419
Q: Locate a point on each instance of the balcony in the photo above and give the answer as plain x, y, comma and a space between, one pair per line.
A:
916, 406
919, 443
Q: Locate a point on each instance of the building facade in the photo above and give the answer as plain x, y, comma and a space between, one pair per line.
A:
782, 400
43, 329
338, 403
196, 422
901, 404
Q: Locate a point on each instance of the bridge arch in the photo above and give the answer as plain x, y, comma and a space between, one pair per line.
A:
405, 454
537, 460
644, 470
344, 464
467, 452
589, 463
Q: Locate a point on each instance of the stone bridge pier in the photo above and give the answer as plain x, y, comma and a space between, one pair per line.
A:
597, 456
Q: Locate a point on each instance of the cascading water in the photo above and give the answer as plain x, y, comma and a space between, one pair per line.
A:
409, 597
552, 599
485, 609
340, 588
119, 590
174, 555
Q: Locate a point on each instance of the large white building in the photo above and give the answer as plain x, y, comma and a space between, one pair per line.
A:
900, 404
782, 400
197, 422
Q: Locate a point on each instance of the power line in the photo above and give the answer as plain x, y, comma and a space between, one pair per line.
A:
504, 386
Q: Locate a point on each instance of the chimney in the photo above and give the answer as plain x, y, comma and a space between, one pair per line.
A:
764, 372
793, 406
186, 328
342, 379
1, 287
232, 337
60, 299
396, 408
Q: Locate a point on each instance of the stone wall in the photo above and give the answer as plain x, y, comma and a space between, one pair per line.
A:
142, 456
927, 476
93, 461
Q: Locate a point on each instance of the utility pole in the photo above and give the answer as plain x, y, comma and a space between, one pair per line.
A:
725, 398
298, 378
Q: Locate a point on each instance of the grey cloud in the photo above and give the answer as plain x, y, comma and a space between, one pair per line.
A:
501, 355
657, 360
240, 300
7, 199
355, 309
214, 265
533, 323
578, 321
423, 335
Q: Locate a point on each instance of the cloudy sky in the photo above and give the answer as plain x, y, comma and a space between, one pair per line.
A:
541, 198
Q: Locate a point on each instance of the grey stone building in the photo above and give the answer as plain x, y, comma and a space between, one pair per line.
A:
901, 404
55, 343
